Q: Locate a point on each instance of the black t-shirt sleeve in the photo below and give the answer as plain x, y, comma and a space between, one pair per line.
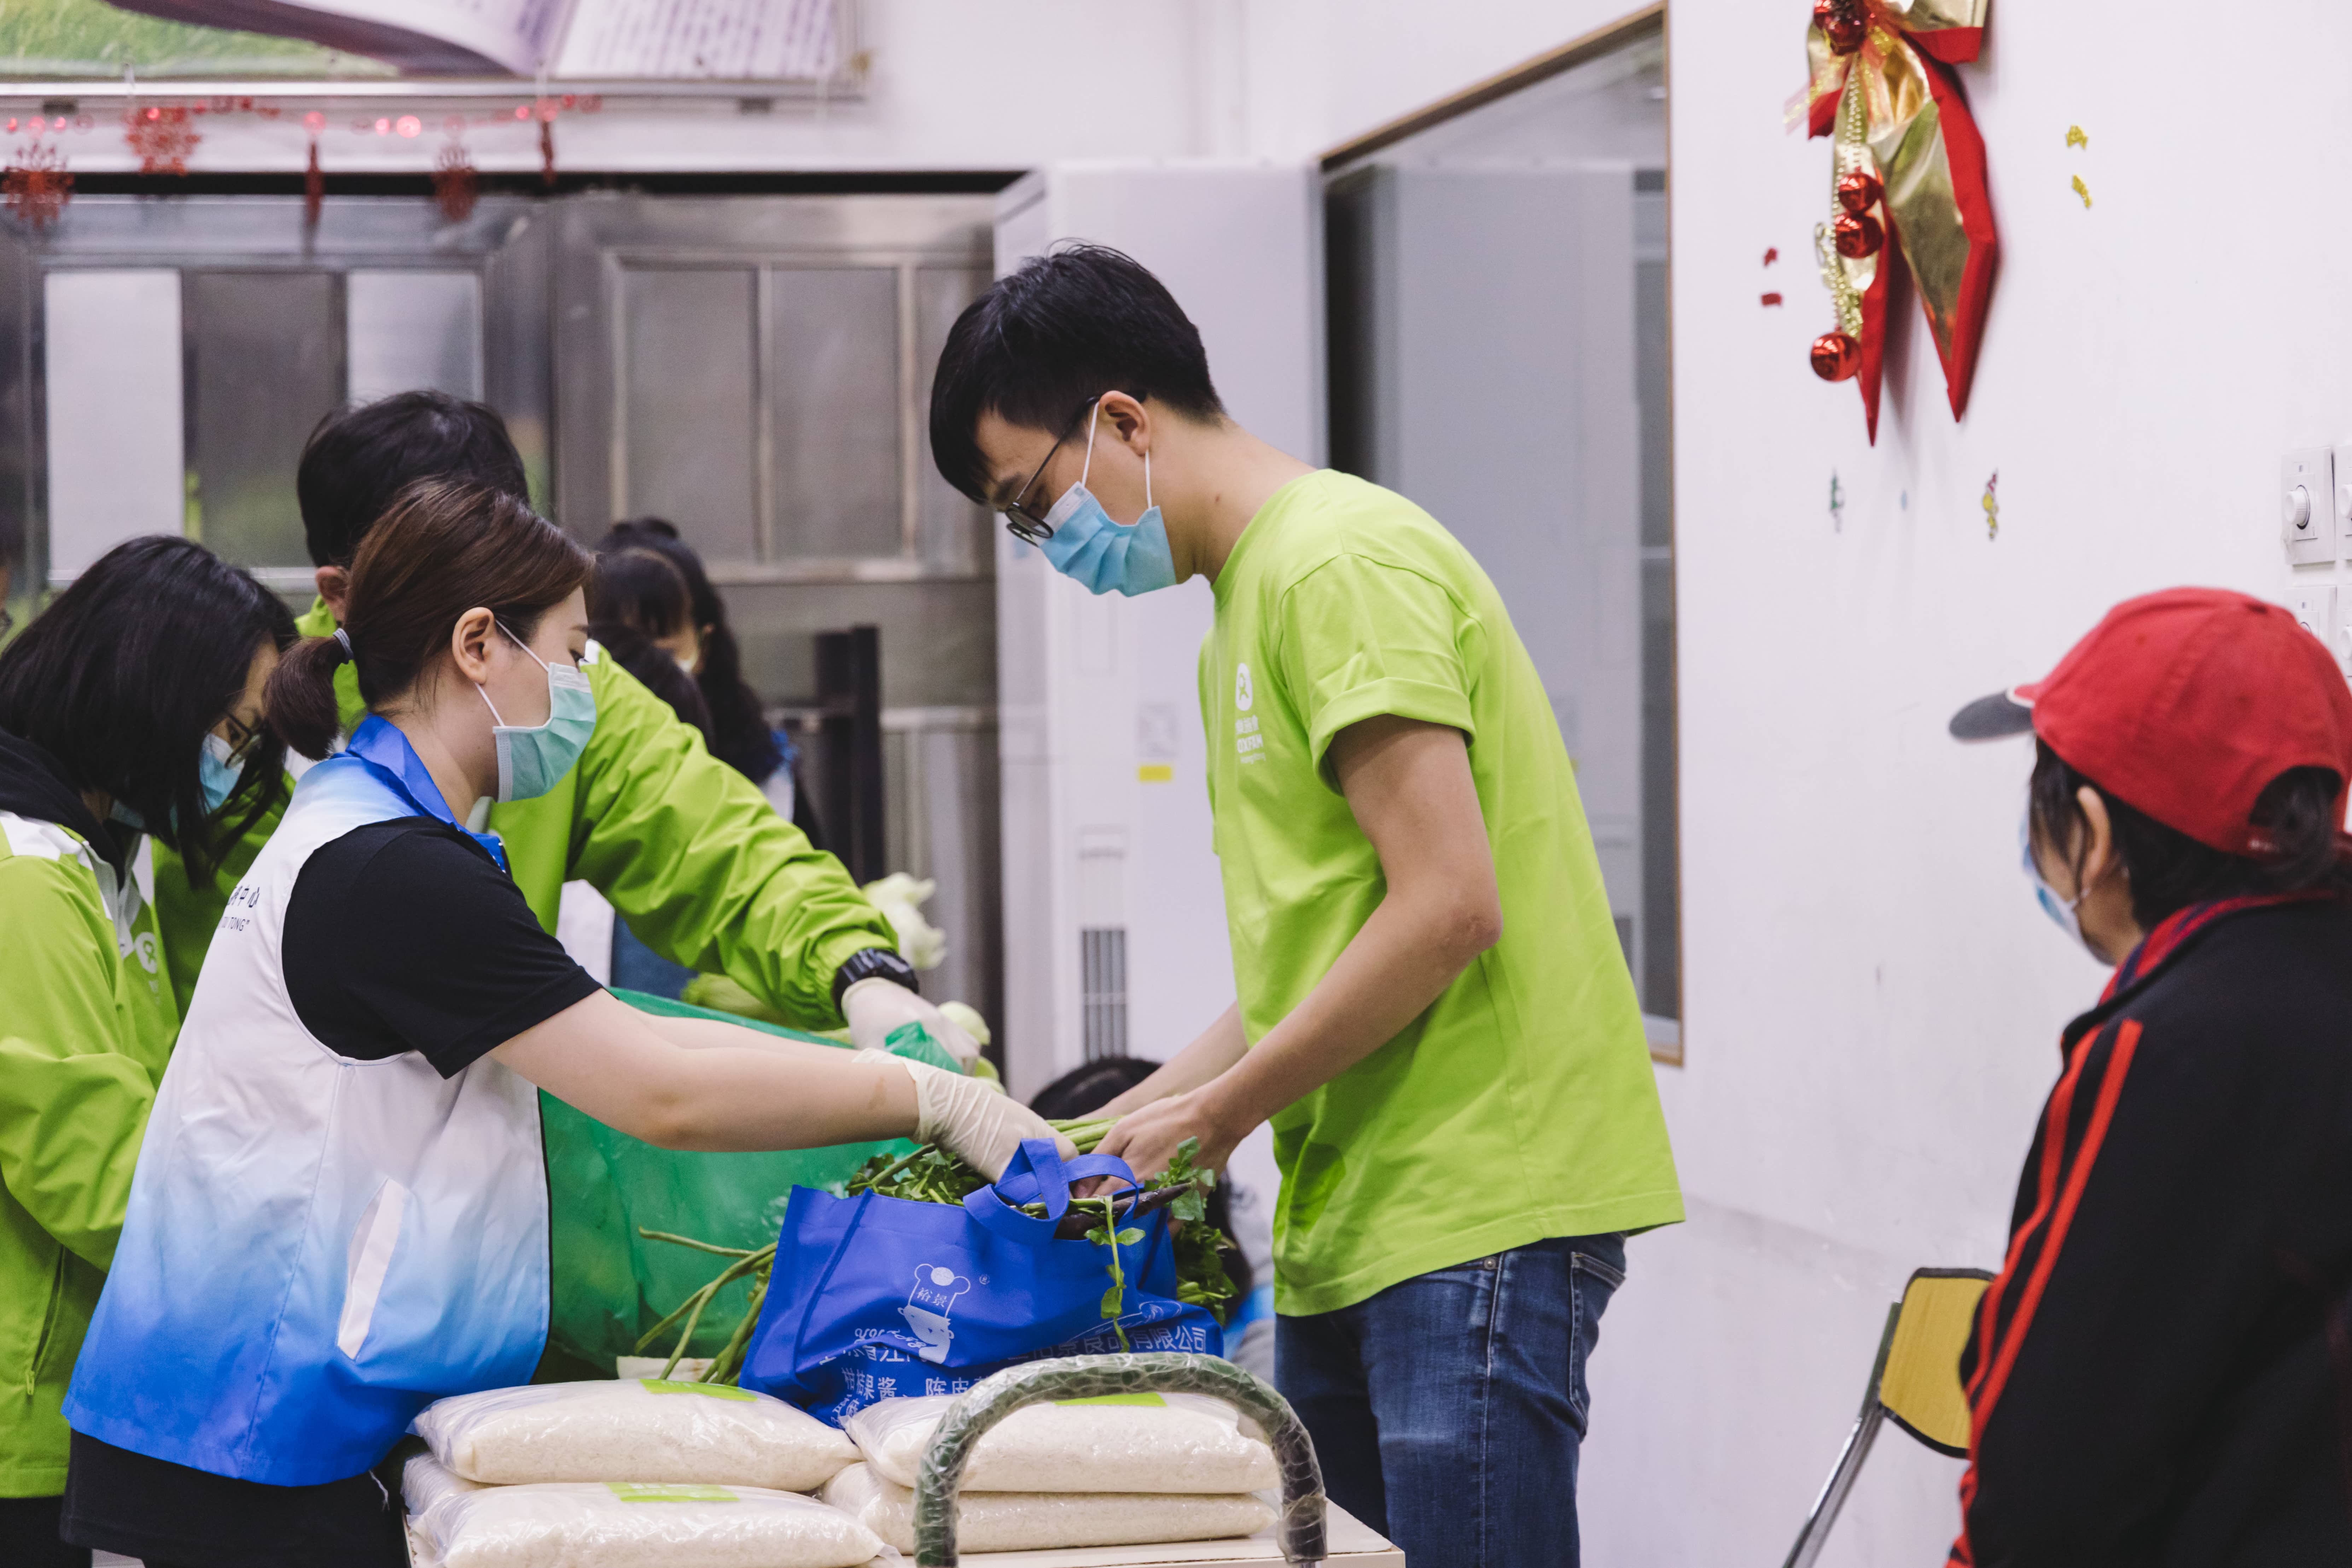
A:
405, 936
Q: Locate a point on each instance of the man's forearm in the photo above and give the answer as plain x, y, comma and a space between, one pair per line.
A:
1219, 1046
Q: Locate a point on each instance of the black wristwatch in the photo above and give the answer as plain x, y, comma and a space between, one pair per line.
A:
874, 964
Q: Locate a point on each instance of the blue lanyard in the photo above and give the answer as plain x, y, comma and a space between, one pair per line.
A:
379, 747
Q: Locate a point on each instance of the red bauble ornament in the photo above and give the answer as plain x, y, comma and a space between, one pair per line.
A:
1858, 235
1859, 190
1836, 356
1843, 23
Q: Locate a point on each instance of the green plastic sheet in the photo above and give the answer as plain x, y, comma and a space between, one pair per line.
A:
611, 1284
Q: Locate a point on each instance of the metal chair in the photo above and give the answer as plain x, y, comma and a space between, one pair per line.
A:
1916, 1380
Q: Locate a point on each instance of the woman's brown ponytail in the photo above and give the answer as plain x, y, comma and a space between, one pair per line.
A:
302, 696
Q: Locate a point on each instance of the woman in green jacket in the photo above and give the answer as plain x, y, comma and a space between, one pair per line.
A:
131, 708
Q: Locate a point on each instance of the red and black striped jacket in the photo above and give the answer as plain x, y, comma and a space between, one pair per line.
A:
2161, 1373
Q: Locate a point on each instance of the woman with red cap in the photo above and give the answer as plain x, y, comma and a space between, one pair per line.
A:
2161, 1373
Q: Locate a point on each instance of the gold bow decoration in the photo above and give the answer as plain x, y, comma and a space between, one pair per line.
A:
1907, 167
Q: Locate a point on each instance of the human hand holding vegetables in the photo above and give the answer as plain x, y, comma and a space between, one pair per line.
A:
975, 1121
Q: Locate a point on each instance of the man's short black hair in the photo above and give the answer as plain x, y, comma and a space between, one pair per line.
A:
1050, 337
360, 458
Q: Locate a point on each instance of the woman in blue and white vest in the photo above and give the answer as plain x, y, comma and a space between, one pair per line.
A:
339, 1212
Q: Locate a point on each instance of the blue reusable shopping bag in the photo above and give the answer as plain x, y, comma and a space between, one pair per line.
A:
873, 1297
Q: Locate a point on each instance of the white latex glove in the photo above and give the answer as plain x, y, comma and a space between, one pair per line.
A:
979, 1125
877, 1007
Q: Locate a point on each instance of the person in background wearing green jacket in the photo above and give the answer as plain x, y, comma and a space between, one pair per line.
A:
684, 847
131, 708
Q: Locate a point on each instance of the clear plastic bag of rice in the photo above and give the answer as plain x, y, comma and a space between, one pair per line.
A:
643, 1429
637, 1525
425, 1480
1162, 1443
1039, 1522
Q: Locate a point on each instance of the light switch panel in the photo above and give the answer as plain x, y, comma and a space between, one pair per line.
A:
2343, 466
2314, 608
2306, 496
2339, 633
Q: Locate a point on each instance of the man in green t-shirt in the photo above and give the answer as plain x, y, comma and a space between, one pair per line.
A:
1434, 1011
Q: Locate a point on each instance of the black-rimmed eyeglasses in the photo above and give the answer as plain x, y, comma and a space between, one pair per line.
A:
1024, 524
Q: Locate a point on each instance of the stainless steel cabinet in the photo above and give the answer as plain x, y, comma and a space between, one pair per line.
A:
755, 368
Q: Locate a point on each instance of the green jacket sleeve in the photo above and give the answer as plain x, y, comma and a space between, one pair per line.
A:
73, 1100
693, 856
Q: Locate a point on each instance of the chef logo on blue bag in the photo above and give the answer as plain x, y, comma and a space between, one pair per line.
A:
840, 1327
927, 1307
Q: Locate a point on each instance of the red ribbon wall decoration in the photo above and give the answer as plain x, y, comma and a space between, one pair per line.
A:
1907, 183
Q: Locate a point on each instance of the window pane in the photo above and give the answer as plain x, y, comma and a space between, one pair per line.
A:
114, 419
412, 329
266, 350
686, 407
951, 533
835, 391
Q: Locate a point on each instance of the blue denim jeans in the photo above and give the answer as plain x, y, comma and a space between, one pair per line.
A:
1447, 1410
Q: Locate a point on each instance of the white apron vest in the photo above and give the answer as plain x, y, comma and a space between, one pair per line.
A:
316, 1247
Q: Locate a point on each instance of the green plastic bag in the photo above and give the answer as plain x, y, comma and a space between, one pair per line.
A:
603, 1186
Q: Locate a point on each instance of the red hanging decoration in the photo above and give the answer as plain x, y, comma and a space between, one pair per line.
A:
1857, 235
314, 179
163, 137
1905, 146
456, 183
36, 186
546, 146
1843, 23
1859, 190
1836, 356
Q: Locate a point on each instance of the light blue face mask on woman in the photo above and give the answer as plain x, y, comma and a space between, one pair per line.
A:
1088, 548
533, 758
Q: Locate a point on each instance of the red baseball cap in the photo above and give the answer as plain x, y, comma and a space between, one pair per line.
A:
2186, 704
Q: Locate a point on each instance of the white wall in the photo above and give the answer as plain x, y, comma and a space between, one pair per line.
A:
1872, 1002
1316, 72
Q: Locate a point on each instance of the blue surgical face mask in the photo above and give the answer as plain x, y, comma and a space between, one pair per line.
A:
1088, 548
2066, 912
533, 758
217, 771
